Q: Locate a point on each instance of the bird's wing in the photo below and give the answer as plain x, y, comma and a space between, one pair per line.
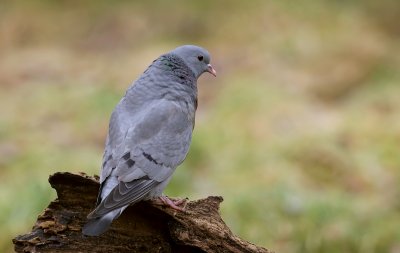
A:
151, 150
113, 144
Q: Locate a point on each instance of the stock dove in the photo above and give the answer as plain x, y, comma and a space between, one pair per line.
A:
149, 135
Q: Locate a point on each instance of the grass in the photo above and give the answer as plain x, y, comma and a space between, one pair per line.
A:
299, 132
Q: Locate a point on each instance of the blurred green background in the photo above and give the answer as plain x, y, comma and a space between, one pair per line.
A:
300, 131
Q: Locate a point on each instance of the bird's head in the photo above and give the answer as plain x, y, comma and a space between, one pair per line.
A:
197, 59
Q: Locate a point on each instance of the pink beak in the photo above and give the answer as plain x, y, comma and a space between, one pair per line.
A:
211, 70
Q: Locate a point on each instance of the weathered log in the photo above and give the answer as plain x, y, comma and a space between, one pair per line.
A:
142, 227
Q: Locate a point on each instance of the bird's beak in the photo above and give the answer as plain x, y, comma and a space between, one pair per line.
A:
211, 70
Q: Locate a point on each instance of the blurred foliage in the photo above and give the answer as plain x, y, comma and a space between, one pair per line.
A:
300, 131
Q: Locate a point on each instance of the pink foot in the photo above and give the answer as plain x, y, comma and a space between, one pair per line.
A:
174, 204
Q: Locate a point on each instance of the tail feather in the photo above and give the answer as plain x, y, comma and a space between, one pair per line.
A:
97, 226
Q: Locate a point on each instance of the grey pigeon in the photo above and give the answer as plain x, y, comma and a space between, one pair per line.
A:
149, 135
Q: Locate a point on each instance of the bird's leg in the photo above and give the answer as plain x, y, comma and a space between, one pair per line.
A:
179, 201
174, 204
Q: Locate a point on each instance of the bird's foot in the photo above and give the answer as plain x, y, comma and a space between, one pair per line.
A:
173, 203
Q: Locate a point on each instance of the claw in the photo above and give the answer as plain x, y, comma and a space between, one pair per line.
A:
174, 204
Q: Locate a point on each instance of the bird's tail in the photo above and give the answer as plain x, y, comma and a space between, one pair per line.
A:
97, 226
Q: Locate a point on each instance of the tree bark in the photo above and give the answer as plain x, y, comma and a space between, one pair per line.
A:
141, 228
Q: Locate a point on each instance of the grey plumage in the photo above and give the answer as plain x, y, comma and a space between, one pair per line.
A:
149, 134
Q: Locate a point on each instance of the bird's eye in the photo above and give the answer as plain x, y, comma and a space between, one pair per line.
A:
200, 57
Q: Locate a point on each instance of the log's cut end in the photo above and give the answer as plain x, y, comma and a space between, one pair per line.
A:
141, 228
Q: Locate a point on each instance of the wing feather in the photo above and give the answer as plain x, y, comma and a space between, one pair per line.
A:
122, 195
